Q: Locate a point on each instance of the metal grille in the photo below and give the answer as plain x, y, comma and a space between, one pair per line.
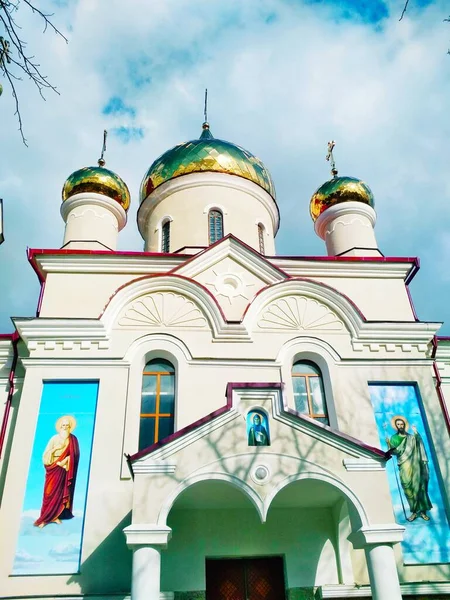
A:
261, 238
165, 237
215, 226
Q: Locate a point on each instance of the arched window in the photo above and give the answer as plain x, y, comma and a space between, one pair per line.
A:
157, 402
165, 237
261, 238
309, 396
215, 230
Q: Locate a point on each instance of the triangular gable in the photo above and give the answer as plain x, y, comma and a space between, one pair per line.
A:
233, 272
240, 398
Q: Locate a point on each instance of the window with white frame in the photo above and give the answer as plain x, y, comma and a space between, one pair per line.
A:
309, 395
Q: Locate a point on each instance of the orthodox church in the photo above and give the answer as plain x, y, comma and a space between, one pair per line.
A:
206, 419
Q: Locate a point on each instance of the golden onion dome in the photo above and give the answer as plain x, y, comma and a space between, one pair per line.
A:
98, 180
206, 154
337, 190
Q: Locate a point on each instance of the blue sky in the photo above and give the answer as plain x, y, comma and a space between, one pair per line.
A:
284, 77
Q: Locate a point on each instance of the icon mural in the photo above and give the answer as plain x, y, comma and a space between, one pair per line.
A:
257, 429
412, 475
60, 460
52, 519
412, 463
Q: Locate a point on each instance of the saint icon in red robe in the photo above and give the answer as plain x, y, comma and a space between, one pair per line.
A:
60, 460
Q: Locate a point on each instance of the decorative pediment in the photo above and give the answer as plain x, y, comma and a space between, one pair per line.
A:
162, 309
299, 313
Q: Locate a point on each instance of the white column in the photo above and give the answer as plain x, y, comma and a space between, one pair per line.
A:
383, 572
348, 230
145, 584
377, 542
93, 222
146, 541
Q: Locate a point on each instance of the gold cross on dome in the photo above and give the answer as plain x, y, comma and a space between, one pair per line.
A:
101, 161
330, 158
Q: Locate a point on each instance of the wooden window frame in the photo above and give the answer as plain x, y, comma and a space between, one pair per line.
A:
309, 394
157, 415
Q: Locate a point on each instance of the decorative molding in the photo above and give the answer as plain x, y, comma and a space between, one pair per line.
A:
62, 334
213, 206
299, 313
147, 535
364, 591
344, 222
196, 180
107, 263
177, 286
92, 199
392, 533
357, 269
360, 464
344, 209
261, 474
82, 211
163, 309
154, 468
229, 247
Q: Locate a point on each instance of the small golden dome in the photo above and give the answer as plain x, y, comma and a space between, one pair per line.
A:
98, 180
337, 190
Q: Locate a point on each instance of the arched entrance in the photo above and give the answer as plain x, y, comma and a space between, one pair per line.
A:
217, 529
297, 527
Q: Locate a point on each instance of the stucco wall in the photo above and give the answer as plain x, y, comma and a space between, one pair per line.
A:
304, 537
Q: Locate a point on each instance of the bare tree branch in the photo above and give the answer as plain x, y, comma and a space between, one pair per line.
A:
13, 54
404, 10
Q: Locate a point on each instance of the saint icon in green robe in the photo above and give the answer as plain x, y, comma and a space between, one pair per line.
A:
257, 429
412, 464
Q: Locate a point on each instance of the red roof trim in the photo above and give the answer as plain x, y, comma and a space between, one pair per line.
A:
229, 395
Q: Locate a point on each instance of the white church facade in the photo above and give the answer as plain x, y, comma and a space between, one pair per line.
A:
205, 419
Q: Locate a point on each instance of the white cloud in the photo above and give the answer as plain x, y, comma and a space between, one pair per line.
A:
22, 557
283, 79
65, 552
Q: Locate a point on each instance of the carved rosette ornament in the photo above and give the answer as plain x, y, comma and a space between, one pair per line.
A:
299, 313
163, 309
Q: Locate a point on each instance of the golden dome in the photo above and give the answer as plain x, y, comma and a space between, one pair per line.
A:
98, 180
206, 154
337, 190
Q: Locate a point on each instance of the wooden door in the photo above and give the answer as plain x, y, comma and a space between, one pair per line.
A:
245, 579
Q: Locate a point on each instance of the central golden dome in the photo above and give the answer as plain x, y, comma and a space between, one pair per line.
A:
206, 154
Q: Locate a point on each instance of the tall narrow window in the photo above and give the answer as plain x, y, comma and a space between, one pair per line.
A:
157, 402
165, 237
215, 226
261, 238
309, 396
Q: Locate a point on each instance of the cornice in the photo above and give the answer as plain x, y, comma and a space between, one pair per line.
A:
362, 269
106, 264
